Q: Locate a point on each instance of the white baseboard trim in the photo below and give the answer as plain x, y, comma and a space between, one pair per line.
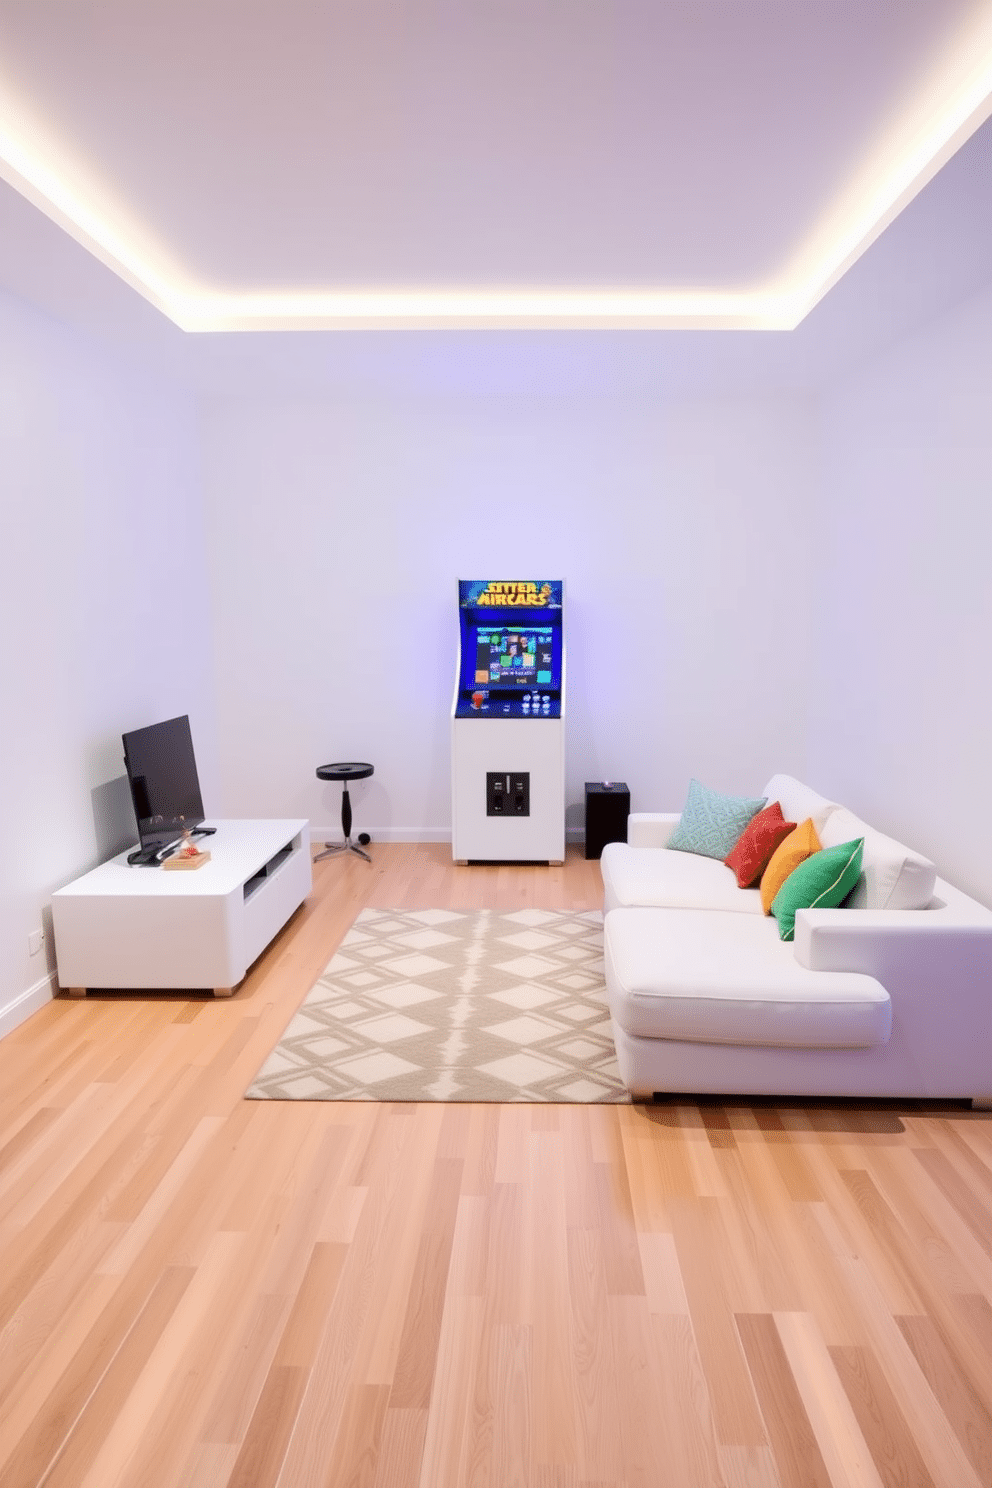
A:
320, 835
29, 1001
407, 834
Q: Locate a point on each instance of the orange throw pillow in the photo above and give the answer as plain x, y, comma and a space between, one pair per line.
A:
751, 853
797, 847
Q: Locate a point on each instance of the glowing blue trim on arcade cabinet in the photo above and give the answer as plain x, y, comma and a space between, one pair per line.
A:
507, 775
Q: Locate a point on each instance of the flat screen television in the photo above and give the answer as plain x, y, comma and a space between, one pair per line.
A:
165, 787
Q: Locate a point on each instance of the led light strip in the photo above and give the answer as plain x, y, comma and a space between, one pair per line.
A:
779, 307
853, 232
44, 188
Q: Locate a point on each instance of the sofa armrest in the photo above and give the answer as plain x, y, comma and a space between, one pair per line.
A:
899, 947
936, 966
651, 828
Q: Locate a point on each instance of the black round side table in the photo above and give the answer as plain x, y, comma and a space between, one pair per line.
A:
348, 770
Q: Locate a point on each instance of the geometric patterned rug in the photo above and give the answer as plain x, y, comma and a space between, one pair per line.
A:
454, 1005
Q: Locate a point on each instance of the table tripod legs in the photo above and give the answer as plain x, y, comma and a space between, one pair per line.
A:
347, 845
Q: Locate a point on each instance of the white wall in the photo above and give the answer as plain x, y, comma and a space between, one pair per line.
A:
339, 525
100, 630
901, 718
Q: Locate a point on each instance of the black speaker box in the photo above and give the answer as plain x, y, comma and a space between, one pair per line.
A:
607, 810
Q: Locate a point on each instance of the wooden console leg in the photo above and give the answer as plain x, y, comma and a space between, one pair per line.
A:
75, 991
224, 991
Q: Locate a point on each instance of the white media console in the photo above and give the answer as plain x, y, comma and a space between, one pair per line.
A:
123, 926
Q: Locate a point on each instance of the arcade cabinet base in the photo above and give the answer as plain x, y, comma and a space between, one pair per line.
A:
509, 862
508, 791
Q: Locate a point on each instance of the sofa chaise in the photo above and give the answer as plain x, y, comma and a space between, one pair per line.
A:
890, 995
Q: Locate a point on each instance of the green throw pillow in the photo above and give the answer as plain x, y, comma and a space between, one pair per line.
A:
710, 824
823, 881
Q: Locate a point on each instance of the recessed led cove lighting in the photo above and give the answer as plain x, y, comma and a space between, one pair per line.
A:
833, 247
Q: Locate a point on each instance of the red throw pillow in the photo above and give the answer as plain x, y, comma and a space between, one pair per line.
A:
750, 854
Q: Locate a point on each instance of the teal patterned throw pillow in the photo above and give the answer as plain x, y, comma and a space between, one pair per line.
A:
710, 824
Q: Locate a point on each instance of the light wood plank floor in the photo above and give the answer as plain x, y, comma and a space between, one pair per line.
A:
199, 1291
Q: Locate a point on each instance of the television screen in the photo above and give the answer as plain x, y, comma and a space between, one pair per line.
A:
165, 787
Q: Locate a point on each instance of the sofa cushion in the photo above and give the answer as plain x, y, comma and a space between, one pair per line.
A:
750, 854
655, 876
797, 847
892, 876
823, 881
728, 979
711, 823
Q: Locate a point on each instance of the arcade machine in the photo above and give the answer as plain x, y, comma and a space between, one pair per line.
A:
508, 723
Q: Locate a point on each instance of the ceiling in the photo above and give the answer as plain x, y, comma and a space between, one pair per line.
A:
288, 164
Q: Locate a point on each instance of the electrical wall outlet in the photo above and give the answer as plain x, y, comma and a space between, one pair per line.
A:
35, 942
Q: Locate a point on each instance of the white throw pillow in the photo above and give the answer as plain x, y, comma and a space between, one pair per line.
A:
798, 801
892, 876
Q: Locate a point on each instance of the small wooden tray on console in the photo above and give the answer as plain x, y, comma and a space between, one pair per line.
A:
188, 862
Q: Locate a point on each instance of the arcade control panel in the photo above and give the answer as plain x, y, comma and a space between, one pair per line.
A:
493, 703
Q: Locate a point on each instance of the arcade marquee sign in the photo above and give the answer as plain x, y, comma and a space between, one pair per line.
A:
511, 594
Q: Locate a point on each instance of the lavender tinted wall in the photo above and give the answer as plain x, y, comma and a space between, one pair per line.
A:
103, 624
900, 712
338, 527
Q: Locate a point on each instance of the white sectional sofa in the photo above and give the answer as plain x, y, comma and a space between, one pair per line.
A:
889, 996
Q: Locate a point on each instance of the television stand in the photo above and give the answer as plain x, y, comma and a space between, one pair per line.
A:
123, 926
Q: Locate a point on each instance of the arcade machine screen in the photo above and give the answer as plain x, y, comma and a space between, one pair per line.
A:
510, 667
